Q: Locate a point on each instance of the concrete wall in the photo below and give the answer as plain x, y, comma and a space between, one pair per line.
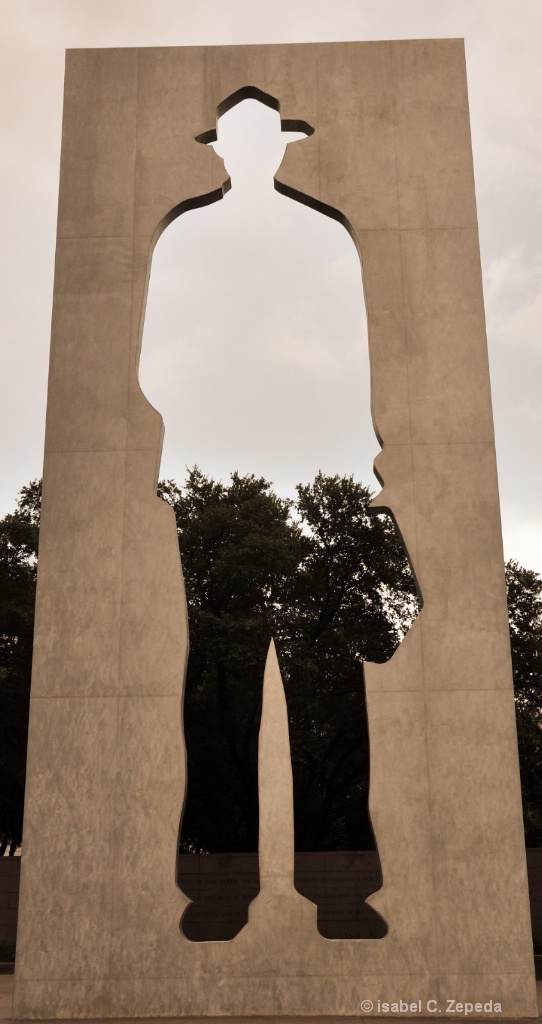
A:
391, 156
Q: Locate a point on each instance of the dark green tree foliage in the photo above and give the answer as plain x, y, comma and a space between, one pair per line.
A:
331, 584
351, 600
238, 552
18, 563
525, 615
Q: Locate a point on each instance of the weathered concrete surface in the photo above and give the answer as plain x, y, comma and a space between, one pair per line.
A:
6, 989
99, 935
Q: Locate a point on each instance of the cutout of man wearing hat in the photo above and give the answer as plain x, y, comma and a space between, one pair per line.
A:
249, 190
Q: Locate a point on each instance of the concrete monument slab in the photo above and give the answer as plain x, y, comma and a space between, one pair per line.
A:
99, 934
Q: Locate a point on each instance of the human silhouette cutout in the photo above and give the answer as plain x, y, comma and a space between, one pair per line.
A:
260, 362
250, 217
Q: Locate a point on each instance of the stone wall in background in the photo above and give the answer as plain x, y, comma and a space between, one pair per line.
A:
10, 871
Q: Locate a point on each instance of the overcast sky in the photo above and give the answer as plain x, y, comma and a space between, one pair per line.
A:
255, 343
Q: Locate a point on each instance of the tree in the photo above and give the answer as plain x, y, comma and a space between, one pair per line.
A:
238, 551
18, 564
525, 614
331, 584
352, 600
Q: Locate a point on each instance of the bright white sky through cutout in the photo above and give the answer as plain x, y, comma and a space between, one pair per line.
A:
255, 341
269, 404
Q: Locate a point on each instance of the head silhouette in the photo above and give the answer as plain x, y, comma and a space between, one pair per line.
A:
251, 143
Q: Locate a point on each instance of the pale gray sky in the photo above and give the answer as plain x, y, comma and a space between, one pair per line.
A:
296, 407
